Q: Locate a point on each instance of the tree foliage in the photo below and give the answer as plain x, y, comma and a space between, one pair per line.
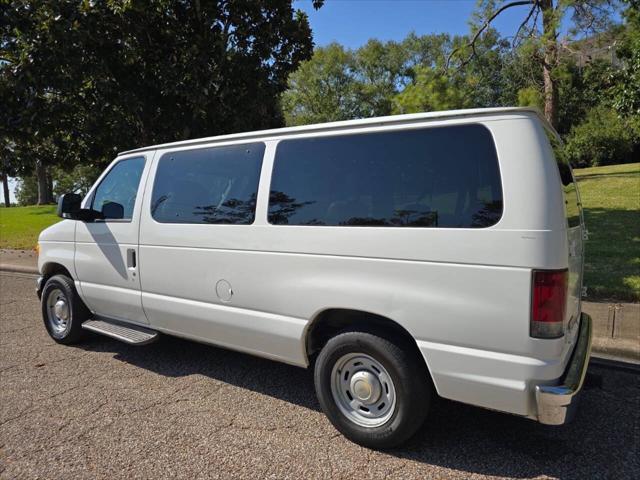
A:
80, 80
539, 29
324, 89
593, 76
431, 91
604, 138
626, 91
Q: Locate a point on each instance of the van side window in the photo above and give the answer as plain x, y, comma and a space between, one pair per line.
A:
216, 185
428, 177
570, 192
115, 197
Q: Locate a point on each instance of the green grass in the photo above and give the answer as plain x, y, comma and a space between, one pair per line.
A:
611, 201
20, 226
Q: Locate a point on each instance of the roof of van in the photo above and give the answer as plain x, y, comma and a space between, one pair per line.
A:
331, 126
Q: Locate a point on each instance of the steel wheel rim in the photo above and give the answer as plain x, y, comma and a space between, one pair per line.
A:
58, 311
363, 390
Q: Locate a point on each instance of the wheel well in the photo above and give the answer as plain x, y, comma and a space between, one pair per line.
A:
330, 322
51, 269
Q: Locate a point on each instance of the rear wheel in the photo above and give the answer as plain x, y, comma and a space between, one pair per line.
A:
63, 311
374, 391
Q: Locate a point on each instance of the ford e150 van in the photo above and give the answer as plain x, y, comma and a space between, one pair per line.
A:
401, 257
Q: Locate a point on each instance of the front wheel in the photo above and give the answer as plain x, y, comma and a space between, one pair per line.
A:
375, 392
63, 311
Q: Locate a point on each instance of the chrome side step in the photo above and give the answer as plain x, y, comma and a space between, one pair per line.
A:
131, 334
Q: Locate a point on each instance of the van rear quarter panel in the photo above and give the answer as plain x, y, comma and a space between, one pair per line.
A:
464, 294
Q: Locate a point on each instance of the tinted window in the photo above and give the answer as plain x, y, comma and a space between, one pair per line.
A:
115, 197
431, 177
211, 185
570, 190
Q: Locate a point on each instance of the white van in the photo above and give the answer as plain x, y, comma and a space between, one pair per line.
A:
402, 257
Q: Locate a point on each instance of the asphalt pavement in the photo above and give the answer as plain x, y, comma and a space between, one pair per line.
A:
178, 409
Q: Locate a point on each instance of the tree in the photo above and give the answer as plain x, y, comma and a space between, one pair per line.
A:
381, 78
604, 138
588, 16
79, 180
431, 91
626, 90
7, 169
379, 69
323, 89
81, 80
26, 190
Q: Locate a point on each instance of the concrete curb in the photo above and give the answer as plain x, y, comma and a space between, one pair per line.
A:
4, 267
617, 348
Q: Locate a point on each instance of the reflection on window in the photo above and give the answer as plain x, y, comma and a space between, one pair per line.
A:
119, 188
570, 191
429, 177
216, 185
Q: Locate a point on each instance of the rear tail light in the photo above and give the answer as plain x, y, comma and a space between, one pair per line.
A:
548, 303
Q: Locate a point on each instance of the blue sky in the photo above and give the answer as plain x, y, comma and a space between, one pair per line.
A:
353, 22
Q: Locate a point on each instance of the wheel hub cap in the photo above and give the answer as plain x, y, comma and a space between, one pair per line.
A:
363, 390
61, 310
58, 314
366, 387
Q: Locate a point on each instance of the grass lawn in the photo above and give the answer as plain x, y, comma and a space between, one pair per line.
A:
20, 226
611, 201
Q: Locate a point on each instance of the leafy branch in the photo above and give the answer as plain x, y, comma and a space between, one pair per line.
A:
485, 25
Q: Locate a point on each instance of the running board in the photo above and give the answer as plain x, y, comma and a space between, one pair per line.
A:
131, 334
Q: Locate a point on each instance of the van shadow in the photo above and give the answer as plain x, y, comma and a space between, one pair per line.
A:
599, 443
109, 246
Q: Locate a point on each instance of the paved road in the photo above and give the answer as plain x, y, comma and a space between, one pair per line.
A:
183, 410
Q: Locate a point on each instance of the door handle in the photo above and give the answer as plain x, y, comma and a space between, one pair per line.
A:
131, 258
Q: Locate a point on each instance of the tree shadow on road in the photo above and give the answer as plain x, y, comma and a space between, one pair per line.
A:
601, 442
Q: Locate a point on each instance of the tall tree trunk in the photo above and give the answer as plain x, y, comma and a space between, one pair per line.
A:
5, 190
43, 185
550, 60
49, 186
4, 173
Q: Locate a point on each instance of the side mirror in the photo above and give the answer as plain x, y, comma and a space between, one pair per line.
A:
69, 206
112, 210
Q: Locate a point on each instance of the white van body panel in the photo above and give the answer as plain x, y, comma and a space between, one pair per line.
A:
462, 293
57, 247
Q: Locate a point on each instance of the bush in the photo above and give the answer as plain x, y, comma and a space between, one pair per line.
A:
604, 138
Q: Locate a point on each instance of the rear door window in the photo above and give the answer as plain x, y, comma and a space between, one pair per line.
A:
570, 192
444, 177
216, 185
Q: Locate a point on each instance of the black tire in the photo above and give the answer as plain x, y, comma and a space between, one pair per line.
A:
72, 331
413, 387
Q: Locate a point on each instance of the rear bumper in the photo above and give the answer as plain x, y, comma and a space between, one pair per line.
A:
557, 403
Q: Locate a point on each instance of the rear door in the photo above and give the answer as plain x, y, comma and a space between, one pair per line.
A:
575, 225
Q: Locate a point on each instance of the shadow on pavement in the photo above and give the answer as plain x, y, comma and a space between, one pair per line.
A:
602, 441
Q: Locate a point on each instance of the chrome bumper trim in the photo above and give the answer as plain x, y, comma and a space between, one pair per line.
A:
39, 285
557, 403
